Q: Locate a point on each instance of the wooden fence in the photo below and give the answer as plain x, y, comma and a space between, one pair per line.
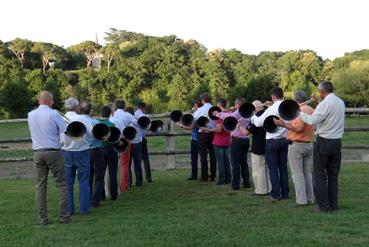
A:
170, 133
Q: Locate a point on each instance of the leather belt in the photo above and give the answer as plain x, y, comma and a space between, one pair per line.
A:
46, 150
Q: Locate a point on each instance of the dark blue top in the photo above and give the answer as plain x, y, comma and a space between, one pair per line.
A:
258, 137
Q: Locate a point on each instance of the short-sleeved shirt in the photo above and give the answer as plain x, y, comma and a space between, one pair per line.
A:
307, 133
222, 138
109, 124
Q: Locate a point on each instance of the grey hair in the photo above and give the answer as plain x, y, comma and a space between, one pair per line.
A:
300, 96
326, 86
71, 103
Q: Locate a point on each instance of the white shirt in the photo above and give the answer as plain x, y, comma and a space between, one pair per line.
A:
125, 119
45, 126
80, 144
203, 111
259, 121
139, 113
329, 117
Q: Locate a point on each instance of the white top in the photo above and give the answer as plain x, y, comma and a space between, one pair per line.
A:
123, 119
203, 111
80, 144
45, 126
329, 117
259, 121
139, 113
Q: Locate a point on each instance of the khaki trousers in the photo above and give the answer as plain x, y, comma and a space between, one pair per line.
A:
260, 174
300, 158
43, 162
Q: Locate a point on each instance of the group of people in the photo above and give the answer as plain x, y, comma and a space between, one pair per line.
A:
86, 157
314, 165
292, 142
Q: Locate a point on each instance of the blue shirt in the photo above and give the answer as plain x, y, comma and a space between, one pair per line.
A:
45, 126
195, 134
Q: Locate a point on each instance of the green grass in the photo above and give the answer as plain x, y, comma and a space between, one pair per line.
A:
15, 153
176, 212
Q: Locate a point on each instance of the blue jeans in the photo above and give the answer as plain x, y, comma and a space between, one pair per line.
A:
194, 158
276, 158
136, 158
78, 161
239, 148
222, 156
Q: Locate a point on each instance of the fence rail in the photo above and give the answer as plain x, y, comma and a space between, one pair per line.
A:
170, 133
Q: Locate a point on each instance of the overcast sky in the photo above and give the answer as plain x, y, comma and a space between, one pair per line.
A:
328, 27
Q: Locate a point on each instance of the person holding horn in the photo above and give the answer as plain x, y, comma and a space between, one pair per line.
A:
206, 141
140, 112
276, 148
46, 126
300, 151
221, 142
329, 119
77, 159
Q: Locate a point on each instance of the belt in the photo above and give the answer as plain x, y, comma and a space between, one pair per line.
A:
297, 141
47, 150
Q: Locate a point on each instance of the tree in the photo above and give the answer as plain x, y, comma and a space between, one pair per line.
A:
49, 52
110, 52
19, 47
89, 49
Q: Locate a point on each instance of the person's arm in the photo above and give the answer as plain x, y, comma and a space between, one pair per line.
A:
60, 123
259, 121
318, 116
185, 127
296, 126
218, 128
244, 131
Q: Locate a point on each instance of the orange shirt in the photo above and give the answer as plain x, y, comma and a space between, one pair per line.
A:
307, 133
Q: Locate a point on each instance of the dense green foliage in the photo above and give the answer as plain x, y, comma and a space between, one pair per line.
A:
175, 212
166, 72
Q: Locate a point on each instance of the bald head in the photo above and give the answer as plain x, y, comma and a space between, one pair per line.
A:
45, 98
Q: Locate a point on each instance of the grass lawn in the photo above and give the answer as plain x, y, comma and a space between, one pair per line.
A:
176, 212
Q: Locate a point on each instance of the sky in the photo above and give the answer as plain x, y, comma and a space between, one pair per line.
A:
328, 27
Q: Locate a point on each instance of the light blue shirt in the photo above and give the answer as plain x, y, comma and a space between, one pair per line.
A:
45, 126
94, 143
139, 113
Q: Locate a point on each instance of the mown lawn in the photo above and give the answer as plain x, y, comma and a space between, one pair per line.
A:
176, 212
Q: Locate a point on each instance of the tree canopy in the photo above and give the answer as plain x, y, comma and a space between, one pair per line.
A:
166, 72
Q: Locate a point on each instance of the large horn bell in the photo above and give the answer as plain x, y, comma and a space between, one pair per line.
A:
144, 122
76, 129
289, 110
176, 116
269, 124
101, 131
213, 109
230, 124
246, 110
156, 126
202, 121
129, 133
114, 135
187, 119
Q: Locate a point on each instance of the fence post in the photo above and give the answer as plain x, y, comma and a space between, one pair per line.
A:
170, 145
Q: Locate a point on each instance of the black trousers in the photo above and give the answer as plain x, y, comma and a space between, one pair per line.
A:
327, 164
205, 148
146, 160
136, 158
96, 179
240, 167
111, 162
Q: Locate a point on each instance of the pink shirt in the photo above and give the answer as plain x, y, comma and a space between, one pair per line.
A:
222, 138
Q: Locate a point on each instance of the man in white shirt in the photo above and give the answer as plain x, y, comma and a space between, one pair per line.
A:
140, 112
276, 149
77, 159
46, 126
206, 141
329, 118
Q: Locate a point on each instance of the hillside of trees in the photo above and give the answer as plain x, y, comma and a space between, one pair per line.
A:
166, 72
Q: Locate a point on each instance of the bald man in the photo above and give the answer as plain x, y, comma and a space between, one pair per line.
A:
46, 126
